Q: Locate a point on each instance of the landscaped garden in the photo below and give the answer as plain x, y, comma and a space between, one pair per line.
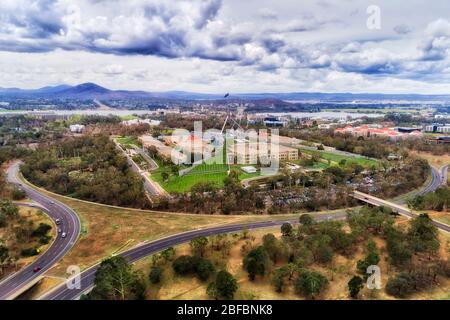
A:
337, 158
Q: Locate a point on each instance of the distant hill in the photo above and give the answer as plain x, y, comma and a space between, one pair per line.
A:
91, 91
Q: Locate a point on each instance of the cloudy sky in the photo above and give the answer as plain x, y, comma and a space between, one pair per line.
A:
228, 45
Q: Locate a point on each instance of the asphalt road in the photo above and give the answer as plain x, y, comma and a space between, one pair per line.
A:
149, 185
147, 249
438, 178
70, 224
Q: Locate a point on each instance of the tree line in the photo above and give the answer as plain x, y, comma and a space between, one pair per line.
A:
88, 168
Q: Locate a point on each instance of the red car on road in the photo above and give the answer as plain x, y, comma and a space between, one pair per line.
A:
36, 269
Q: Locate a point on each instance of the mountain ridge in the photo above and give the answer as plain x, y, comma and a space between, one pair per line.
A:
90, 90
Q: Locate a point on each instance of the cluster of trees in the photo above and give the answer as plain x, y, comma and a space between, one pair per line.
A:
299, 248
89, 168
174, 121
316, 243
223, 285
406, 249
21, 129
438, 200
374, 147
115, 279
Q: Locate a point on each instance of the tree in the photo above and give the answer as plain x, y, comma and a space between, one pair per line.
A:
280, 274
224, 286
155, 274
286, 229
272, 247
204, 269
319, 244
400, 286
8, 209
164, 176
423, 234
306, 219
168, 254
18, 194
372, 258
183, 265
355, 285
310, 283
4, 253
398, 247
256, 262
41, 230
198, 245
115, 280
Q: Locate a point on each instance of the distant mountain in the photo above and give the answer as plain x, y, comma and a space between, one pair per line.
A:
53, 89
88, 91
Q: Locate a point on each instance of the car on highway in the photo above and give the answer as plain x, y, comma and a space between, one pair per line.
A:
37, 269
63, 235
57, 221
52, 202
59, 230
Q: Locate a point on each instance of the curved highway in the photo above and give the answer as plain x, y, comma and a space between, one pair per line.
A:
72, 227
438, 178
70, 224
87, 277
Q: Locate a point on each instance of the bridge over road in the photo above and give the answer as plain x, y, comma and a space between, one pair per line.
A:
367, 198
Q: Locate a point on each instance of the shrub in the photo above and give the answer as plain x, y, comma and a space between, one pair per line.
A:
355, 285
400, 286
41, 230
29, 252
45, 239
155, 274
18, 194
184, 265
204, 269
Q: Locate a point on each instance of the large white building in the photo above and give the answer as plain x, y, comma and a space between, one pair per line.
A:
76, 128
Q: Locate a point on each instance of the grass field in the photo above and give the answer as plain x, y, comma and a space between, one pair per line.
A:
128, 141
215, 173
336, 158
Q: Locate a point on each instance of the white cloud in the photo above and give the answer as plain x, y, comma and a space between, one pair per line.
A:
214, 46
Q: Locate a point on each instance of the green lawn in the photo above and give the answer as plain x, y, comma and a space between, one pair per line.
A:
128, 141
128, 117
337, 158
215, 173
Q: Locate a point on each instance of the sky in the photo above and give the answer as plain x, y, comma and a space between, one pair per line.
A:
215, 46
